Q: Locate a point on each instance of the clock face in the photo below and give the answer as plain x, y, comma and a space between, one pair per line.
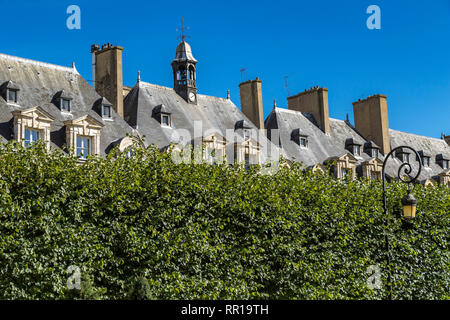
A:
192, 96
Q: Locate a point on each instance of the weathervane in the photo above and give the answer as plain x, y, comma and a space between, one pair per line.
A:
182, 28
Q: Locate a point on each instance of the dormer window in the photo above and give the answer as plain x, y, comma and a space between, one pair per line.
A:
443, 160
9, 91
374, 153
31, 136
104, 108
405, 157
106, 111
371, 149
300, 138
304, 142
62, 100
83, 147
12, 95
65, 104
246, 134
165, 119
162, 114
353, 146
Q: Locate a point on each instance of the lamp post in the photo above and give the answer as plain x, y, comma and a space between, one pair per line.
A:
409, 203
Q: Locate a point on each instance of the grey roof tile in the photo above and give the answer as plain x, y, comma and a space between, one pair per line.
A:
39, 82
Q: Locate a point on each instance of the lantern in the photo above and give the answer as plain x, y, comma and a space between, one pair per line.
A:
409, 204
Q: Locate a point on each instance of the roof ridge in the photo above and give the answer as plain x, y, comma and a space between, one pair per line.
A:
148, 84
39, 63
287, 110
418, 135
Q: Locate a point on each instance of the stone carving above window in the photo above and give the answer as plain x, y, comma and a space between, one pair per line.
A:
344, 165
34, 120
83, 127
247, 152
372, 169
444, 178
214, 148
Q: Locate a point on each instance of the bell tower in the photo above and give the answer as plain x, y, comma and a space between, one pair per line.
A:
184, 71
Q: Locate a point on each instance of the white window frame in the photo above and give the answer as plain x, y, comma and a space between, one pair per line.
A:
83, 140
374, 152
8, 91
405, 157
31, 139
104, 107
303, 141
165, 115
69, 105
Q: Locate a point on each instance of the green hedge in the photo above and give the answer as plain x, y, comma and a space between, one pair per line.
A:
148, 228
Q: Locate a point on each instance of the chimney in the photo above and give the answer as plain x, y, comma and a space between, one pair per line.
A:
251, 101
314, 101
371, 120
446, 139
107, 74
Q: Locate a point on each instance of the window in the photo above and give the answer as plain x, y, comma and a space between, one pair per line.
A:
246, 134
129, 153
211, 155
83, 147
65, 105
31, 136
247, 161
445, 164
375, 153
165, 120
304, 142
106, 111
375, 175
356, 150
12, 95
405, 157
426, 161
343, 172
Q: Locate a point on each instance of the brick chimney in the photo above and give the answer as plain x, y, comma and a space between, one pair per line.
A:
251, 101
314, 101
107, 74
371, 120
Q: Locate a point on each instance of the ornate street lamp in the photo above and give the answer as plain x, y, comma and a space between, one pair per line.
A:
409, 203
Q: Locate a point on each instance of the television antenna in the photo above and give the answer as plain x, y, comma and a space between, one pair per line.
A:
286, 84
242, 74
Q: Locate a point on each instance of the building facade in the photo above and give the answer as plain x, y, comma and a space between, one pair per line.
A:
41, 101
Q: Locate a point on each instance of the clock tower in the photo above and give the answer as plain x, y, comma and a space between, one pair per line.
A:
184, 74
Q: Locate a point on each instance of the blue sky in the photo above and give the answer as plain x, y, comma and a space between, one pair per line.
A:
324, 43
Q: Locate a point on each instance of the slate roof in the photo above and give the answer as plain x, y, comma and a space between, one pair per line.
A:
430, 146
216, 114
39, 84
322, 147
